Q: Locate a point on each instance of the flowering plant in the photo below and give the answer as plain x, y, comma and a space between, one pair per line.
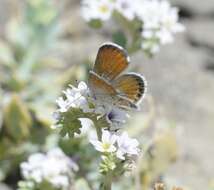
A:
146, 24
51, 171
118, 151
23, 122
26, 96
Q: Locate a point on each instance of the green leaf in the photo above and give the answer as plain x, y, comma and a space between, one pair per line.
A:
1, 119
17, 119
6, 55
15, 84
95, 23
119, 38
70, 122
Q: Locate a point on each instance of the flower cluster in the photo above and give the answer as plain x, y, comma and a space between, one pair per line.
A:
158, 19
118, 152
75, 110
103, 9
94, 9
81, 98
160, 23
54, 168
74, 98
122, 146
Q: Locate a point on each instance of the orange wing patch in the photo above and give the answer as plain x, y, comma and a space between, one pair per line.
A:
100, 86
111, 61
131, 86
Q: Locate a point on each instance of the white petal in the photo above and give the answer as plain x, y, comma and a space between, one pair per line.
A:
112, 148
120, 155
97, 145
82, 86
106, 136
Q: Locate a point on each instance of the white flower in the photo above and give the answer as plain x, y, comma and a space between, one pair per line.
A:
122, 146
169, 23
126, 146
74, 98
147, 34
97, 9
152, 47
54, 167
107, 143
149, 12
165, 36
126, 8
159, 18
81, 98
30, 169
60, 181
82, 89
62, 104
160, 23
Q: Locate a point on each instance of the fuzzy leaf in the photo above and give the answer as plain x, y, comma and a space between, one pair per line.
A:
1, 119
95, 23
6, 56
70, 122
17, 119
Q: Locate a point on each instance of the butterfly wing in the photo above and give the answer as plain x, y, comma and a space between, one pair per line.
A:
130, 86
99, 86
104, 92
111, 60
124, 91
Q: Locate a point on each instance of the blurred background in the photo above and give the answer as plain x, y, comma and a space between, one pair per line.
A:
43, 49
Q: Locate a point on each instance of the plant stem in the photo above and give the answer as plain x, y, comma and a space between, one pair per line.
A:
107, 182
130, 28
99, 132
99, 124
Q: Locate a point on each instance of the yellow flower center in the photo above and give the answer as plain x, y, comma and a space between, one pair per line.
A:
105, 146
103, 9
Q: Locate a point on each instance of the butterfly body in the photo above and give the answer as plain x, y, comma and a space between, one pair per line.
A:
108, 85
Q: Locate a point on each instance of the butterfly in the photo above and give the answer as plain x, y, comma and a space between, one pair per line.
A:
107, 83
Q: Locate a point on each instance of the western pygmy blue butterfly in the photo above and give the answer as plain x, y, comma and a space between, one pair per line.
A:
108, 85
